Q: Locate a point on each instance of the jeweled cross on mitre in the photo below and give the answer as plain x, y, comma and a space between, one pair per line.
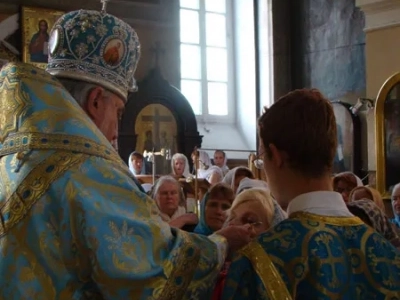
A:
104, 7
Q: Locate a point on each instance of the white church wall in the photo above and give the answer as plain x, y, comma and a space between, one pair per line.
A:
224, 136
245, 71
242, 133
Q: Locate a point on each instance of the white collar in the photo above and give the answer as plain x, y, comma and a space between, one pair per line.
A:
324, 203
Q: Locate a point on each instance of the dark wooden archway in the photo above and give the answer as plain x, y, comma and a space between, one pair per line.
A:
154, 89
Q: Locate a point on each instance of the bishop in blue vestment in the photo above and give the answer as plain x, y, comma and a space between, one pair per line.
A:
72, 223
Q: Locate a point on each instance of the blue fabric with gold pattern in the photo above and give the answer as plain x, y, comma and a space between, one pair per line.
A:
340, 258
72, 223
96, 47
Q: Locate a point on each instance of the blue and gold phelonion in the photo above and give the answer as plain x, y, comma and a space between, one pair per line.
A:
72, 223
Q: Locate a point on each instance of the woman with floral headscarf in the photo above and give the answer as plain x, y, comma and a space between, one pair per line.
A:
344, 183
366, 192
373, 216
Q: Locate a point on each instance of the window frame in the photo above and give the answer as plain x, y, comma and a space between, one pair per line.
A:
205, 117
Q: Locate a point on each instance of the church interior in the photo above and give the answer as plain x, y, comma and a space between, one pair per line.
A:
191, 137
203, 87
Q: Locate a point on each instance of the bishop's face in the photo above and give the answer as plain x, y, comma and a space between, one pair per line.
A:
105, 109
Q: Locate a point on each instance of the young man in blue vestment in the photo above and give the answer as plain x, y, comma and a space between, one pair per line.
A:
72, 223
321, 251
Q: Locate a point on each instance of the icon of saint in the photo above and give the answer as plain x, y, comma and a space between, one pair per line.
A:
112, 54
38, 45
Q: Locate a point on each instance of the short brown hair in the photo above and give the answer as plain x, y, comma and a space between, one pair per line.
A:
302, 124
221, 191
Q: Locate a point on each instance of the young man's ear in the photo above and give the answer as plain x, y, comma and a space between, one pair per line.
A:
277, 156
94, 103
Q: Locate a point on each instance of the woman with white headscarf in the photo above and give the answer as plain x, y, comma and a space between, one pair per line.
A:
220, 160
137, 168
344, 183
212, 174
235, 175
248, 183
135, 163
169, 198
180, 165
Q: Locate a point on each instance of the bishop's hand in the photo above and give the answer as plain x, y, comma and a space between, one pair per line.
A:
237, 236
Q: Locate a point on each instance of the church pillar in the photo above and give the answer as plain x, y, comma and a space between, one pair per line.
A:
382, 29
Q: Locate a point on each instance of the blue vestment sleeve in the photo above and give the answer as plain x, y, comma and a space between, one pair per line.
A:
127, 250
240, 282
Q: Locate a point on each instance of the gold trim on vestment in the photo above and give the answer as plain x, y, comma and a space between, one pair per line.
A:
34, 186
182, 272
338, 221
13, 105
54, 141
266, 270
